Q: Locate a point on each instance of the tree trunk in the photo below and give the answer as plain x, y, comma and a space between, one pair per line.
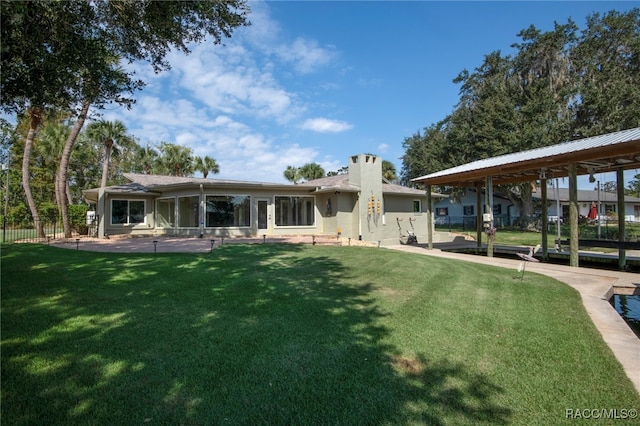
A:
108, 147
63, 168
68, 189
35, 116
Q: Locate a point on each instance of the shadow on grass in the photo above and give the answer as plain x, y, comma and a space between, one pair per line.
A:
261, 334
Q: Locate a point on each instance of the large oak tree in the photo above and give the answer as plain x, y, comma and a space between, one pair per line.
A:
559, 85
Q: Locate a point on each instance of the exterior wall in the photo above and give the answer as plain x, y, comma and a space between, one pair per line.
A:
346, 219
365, 172
400, 217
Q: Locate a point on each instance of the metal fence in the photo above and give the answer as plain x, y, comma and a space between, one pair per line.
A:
42, 231
607, 228
30, 231
468, 223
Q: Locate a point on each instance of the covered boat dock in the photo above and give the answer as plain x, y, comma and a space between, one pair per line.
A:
612, 152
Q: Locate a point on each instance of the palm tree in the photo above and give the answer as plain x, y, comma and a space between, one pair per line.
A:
51, 143
389, 171
145, 160
35, 118
176, 160
113, 135
311, 171
206, 165
292, 174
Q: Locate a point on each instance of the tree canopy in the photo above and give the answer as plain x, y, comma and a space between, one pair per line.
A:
559, 85
65, 55
308, 171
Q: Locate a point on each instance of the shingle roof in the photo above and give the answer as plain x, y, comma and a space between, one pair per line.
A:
152, 181
145, 184
341, 183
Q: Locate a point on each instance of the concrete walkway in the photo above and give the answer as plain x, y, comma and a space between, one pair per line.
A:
596, 286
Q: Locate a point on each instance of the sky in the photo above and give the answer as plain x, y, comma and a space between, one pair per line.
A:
319, 81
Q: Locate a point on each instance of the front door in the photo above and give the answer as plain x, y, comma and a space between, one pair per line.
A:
263, 215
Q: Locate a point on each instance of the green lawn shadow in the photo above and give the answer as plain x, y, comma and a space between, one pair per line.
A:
249, 334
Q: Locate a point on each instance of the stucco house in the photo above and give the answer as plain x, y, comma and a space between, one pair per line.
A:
360, 205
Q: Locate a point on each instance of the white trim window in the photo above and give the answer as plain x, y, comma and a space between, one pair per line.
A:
228, 211
128, 212
295, 211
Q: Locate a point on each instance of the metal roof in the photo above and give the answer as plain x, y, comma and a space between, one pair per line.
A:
591, 155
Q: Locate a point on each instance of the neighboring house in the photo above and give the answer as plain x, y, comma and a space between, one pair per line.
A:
608, 204
360, 205
463, 211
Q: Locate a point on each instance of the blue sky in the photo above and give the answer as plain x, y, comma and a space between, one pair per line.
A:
320, 81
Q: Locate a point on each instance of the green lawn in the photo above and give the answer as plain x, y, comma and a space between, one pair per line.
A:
295, 335
529, 238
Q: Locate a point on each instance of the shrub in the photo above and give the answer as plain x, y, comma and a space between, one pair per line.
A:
78, 217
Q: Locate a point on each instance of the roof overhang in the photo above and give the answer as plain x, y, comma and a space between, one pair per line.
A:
335, 190
604, 153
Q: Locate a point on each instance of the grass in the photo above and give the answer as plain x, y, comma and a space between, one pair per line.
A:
292, 334
528, 238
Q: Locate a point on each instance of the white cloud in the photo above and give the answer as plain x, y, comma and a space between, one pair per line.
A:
231, 102
383, 148
306, 55
324, 125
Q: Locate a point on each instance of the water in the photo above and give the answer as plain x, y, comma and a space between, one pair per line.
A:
629, 308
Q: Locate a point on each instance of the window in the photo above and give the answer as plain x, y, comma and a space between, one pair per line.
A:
295, 211
188, 211
442, 211
228, 210
417, 206
497, 209
166, 208
468, 210
127, 212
